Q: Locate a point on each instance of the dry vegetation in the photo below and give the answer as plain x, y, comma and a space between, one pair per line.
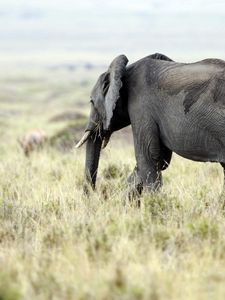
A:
55, 243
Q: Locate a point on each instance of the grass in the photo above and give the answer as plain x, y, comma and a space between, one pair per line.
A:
56, 243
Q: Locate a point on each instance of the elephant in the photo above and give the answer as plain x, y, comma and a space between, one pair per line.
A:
171, 107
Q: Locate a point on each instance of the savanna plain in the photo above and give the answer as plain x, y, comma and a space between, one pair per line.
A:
57, 243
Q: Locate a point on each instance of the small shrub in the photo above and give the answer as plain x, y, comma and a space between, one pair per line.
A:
160, 206
65, 139
112, 172
9, 290
54, 237
161, 238
204, 229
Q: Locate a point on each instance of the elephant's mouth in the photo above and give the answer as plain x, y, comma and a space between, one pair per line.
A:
93, 134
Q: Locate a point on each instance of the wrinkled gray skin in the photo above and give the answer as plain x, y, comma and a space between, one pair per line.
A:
172, 107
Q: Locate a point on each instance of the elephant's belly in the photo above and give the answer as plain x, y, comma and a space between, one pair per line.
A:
201, 155
196, 145
197, 135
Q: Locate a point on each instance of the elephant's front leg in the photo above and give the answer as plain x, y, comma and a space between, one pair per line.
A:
145, 175
148, 156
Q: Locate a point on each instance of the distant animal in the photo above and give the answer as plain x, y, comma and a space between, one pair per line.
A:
33, 140
171, 106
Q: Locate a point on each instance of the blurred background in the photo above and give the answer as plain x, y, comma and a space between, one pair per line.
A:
50, 32
52, 52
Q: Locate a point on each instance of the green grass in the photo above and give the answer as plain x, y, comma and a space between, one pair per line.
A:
56, 243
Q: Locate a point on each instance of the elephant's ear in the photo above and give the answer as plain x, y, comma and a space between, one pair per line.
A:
116, 71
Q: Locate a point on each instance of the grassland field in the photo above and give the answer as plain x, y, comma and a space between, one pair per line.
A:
57, 243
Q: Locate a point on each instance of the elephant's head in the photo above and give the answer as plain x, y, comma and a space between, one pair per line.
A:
108, 113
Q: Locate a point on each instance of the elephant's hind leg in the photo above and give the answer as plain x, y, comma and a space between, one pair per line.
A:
223, 165
223, 191
135, 187
165, 157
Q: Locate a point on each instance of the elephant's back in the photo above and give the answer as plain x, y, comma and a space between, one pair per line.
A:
184, 76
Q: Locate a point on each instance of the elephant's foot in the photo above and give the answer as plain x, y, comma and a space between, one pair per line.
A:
134, 195
222, 196
147, 181
86, 189
135, 188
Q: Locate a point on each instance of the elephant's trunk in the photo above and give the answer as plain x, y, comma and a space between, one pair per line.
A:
93, 137
93, 149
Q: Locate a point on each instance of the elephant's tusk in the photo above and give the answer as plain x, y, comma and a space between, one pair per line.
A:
105, 141
83, 139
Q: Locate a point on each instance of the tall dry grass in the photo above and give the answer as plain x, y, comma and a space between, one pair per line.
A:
56, 243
